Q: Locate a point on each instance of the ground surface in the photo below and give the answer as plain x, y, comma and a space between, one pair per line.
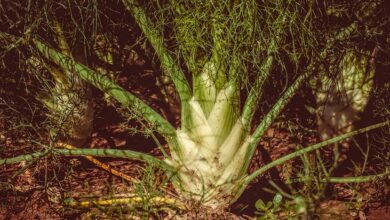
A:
39, 192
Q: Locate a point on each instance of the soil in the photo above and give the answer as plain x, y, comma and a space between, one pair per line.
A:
37, 193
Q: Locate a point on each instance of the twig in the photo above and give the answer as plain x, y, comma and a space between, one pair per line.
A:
136, 200
104, 166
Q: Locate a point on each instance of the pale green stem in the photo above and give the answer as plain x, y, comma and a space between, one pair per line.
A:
246, 180
345, 180
270, 117
157, 41
219, 41
250, 105
185, 38
167, 62
303, 151
214, 70
356, 179
27, 157
24, 168
110, 153
290, 92
113, 153
106, 85
256, 92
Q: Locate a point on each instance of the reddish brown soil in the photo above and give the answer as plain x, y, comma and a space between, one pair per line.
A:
39, 191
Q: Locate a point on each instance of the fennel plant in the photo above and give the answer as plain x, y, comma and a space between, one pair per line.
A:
223, 55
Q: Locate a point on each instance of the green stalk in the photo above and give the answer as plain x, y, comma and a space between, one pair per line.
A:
346, 180
87, 152
305, 150
103, 83
167, 62
223, 114
157, 41
110, 153
28, 157
270, 117
256, 92
356, 179
290, 92
219, 77
212, 79
186, 36
245, 181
